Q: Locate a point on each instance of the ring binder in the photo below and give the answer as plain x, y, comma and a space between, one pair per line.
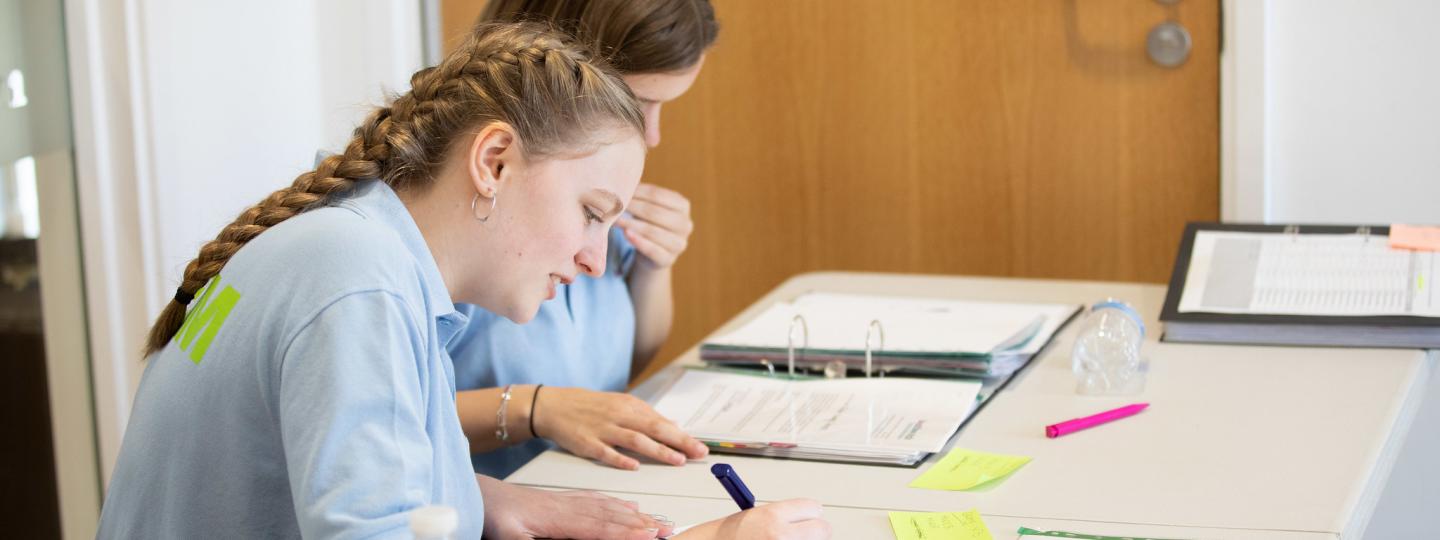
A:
874, 325
1364, 231
1292, 232
904, 335
791, 338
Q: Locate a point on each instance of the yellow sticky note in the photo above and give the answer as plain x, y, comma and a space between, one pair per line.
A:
963, 469
1415, 237
939, 526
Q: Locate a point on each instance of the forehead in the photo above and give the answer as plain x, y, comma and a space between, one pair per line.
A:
664, 86
613, 166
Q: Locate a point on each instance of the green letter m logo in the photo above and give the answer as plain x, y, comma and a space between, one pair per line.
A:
205, 319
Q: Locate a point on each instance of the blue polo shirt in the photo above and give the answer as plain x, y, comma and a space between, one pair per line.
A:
309, 393
585, 337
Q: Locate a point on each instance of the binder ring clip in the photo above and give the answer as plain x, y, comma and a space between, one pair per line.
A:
875, 329
1293, 232
1364, 231
766, 362
805, 344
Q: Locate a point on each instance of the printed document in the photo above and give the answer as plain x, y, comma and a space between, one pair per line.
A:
1309, 274
892, 414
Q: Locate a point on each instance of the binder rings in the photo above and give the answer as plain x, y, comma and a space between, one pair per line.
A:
883, 334
1323, 285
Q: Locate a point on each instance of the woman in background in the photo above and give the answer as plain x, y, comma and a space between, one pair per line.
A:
584, 346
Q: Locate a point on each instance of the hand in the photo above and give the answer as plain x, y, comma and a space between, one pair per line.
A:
659, 224
512, 511
591, 424
795, 519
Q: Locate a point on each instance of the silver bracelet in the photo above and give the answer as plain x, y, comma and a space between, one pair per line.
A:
500, 431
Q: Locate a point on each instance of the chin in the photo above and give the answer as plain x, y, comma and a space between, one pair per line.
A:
523, 314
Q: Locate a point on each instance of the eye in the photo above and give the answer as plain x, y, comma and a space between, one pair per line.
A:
591, 216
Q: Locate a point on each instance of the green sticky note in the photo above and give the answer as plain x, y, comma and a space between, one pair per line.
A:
963, 469
939, 526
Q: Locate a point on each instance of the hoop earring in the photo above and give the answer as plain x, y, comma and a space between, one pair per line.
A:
492, 207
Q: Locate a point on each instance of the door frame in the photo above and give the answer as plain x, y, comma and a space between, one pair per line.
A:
1243, 144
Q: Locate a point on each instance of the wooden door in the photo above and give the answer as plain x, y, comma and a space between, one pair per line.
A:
1030, 138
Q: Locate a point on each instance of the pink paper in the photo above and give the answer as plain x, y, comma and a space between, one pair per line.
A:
1415, 237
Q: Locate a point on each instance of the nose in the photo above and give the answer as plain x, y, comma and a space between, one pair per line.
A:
652, 125
592, 255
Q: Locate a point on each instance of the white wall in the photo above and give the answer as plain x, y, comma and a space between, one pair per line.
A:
1331, 114
236, 115
1353, 111
188, 112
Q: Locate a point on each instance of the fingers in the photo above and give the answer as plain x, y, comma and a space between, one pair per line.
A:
596, 422
642, 444
639, 417
792, 510
667, 527
814, 529
663, 217
601, 516
665, 432
658, 255
668, 239
658, 224
668, 198
601, 451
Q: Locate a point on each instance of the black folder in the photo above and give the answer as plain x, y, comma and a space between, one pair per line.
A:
1388, 331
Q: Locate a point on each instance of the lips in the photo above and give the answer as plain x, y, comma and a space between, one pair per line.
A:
555, 281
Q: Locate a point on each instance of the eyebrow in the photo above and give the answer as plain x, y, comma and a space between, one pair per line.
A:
615, 205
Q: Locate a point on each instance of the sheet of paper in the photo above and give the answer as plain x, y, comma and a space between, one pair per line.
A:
841, 322
939, 526
963, 469
916, 415
1308, 274
1415, 237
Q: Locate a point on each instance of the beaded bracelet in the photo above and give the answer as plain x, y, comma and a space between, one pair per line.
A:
500, 431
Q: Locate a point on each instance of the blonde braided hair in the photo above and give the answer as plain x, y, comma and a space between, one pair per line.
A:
556, 94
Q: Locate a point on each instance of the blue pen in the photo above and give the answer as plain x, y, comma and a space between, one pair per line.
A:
733, 485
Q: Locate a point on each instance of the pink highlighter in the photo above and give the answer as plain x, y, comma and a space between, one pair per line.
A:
1071, 426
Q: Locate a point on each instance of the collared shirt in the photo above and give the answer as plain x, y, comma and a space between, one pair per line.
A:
309, 393
585, 337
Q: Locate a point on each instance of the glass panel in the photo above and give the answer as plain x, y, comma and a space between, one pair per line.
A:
35, 148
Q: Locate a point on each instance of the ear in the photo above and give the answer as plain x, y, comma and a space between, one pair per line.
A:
491, 152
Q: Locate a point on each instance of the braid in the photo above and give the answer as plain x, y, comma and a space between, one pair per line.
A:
310, 189
550, 90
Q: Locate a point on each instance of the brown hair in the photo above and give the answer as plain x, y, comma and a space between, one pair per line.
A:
555, 93
639, 36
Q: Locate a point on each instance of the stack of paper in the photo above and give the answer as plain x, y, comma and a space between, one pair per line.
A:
933, 336
886, 421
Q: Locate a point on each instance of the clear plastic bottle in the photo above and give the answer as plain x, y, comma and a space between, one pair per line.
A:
434, 523
1106, 357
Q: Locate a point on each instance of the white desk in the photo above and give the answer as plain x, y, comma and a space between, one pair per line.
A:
1252, 438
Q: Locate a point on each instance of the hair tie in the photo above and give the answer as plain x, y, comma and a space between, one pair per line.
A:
183, 298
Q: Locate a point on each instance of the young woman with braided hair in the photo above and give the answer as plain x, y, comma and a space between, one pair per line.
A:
584, 346
307, 391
